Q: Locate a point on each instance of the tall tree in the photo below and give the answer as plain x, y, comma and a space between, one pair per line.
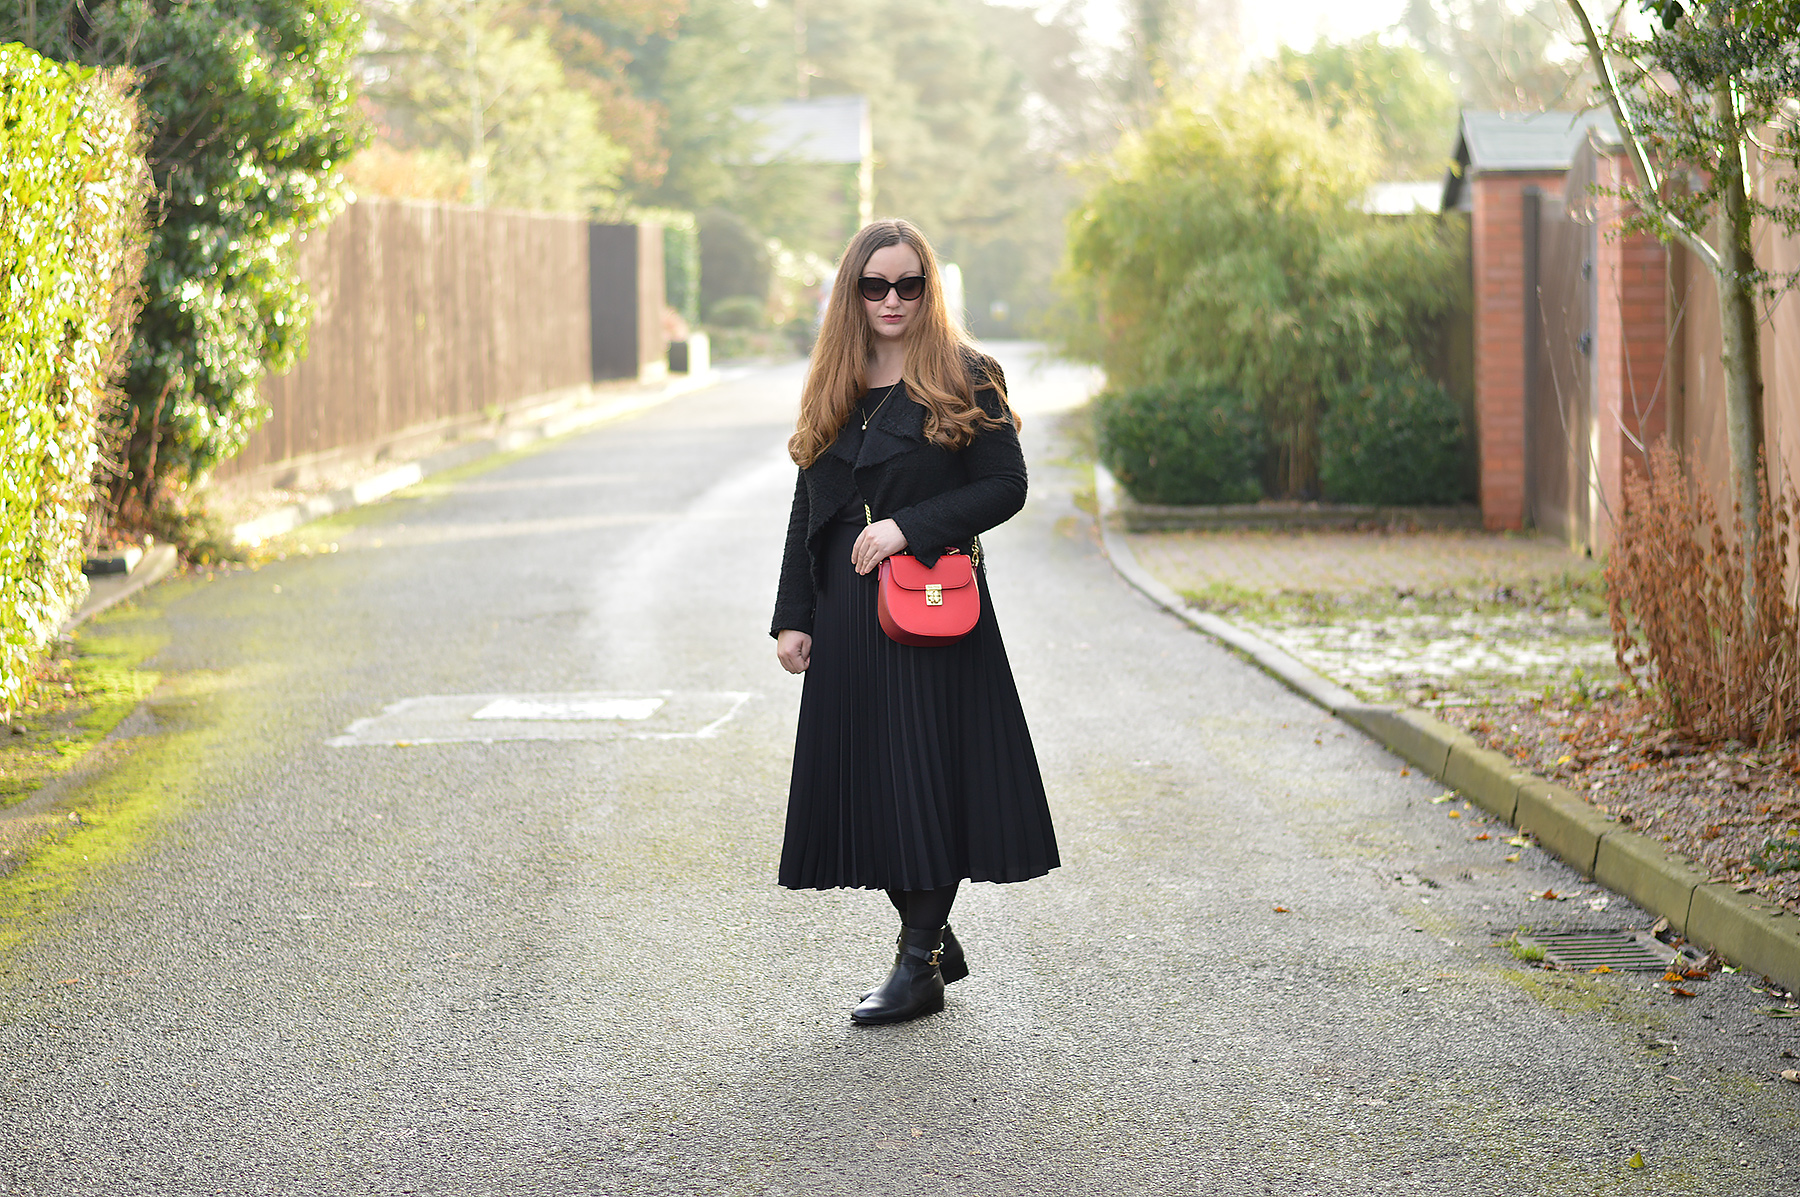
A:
954, 145
1500, 55
474, 100
1406, 97
598, 41
1169, 46
1702, 101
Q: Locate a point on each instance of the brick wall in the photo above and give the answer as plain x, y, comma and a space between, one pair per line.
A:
1497, 244
1632, 379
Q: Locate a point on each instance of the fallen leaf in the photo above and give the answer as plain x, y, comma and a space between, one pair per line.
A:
1694, 974
1519, 841
70, 981
402, 743
1446, 796
1601, 968
1791, 1074
1678, 991
1671, 975
1781, 1012
1636, 1160
1406, 772
1548, 895
1282, 910
1484, 836
1513, 857
917, 1132
1456, 814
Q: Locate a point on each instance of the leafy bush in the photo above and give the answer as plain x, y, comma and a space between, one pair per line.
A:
737, 311
72, 190
250, 111
1396, 440
1230, 244
1182, 443
681, 263
734, 260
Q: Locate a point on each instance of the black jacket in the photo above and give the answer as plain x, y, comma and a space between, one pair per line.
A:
939, 497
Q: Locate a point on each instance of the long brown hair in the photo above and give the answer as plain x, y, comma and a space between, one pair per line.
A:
940, 360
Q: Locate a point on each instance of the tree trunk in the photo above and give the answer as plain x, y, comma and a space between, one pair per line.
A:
1740, 338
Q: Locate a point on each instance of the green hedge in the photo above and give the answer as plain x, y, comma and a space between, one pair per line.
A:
72, 190
1182, 442
249, 113
1395, 440
681, 266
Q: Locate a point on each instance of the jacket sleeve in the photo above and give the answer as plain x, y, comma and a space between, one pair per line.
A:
794, 593
994, 465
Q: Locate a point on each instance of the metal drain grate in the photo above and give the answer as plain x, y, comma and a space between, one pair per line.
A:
1621, 951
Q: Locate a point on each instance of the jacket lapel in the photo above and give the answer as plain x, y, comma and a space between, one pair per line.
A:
899, 427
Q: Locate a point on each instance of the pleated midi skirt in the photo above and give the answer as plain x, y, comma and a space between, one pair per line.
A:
913, 767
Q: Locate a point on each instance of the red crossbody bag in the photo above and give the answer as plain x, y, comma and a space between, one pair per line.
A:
928, 607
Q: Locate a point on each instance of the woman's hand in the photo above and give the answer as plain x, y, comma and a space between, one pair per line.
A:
794, 650
876, 544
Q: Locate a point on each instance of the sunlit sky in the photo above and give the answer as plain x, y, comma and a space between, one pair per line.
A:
1268, 23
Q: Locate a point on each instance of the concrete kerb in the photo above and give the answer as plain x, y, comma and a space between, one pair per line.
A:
1753, 933
157, 563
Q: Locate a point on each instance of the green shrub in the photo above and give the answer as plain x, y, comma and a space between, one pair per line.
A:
1395, 440
250, 109
681, 264
1229, 243
734, 260
72, 190
737, 311
1182, 443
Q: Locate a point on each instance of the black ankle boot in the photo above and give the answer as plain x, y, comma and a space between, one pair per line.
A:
952, 961
915, 987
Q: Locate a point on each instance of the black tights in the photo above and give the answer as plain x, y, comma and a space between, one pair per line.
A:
924, 909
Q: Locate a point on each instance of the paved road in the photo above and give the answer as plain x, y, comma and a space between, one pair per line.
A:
412, 962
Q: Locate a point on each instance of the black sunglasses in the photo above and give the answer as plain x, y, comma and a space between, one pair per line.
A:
875, 289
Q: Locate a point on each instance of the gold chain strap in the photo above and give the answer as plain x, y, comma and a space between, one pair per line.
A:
974, 557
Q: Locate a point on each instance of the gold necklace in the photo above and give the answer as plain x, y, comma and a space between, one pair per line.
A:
882, 404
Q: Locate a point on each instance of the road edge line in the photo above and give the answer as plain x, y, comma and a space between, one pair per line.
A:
1756, 934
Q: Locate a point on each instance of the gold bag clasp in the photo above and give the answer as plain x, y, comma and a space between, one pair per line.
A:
934, 595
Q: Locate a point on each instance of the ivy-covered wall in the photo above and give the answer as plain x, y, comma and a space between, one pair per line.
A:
73, 184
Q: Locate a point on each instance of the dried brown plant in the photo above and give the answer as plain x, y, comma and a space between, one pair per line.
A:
1704, 627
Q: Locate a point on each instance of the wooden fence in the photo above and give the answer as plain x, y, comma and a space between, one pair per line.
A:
429, 317
1622, 347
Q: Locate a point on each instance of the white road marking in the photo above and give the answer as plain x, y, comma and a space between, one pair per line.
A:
589, 715
569, 708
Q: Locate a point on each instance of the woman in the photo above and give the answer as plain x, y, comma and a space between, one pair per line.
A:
913, 767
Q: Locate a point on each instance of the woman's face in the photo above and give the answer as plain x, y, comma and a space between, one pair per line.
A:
890, 316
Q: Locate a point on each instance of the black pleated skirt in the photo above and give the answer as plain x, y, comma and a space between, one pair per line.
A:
913, 767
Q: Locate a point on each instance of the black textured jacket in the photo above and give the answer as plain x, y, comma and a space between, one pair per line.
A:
939, 497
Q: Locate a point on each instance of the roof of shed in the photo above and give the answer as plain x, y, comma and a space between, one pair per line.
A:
1515, 141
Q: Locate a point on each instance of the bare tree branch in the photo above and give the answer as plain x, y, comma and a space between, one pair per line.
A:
1634, 145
